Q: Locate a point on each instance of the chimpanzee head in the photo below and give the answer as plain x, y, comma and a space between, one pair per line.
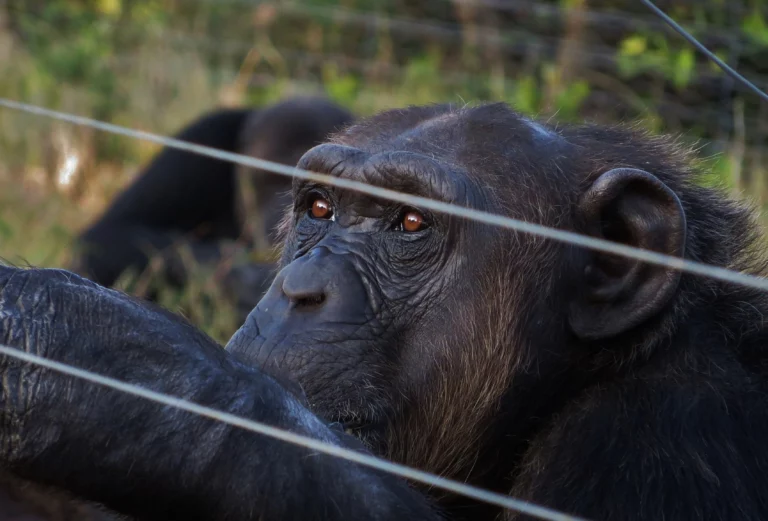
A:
413, 327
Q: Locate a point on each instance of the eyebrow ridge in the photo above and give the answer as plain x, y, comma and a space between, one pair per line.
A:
397, 170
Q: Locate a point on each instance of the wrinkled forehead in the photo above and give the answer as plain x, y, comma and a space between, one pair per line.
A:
466, 137
401, 169
457, 155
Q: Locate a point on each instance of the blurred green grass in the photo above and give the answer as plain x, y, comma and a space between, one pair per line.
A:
156, 65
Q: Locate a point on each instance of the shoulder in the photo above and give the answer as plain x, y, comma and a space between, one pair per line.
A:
689, 441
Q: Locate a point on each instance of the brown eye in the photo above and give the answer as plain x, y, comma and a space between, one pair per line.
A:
412, 221
321, 209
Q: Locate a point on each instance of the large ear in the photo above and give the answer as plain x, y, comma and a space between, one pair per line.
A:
617, 293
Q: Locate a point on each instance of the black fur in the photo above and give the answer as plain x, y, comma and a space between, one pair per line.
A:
178, 193
193, 200
593, 384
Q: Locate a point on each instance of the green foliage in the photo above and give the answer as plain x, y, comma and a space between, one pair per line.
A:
683, 67
6, 231
639, 54
569, 101
157, 64
755, 27
526, 95
340, 87
419, 81
716, 172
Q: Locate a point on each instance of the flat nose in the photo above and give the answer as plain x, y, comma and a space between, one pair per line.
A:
319, 297
305, 288
306, 282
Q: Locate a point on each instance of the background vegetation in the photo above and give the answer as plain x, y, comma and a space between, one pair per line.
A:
157, 64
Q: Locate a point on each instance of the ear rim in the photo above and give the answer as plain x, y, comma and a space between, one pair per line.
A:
657, 284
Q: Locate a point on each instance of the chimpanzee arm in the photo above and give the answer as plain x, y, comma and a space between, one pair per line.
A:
152, 461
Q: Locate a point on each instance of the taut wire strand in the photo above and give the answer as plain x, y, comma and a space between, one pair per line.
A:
709, 54
403, 471
567, 237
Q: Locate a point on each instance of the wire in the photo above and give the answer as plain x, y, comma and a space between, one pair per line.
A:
403, 471
592, 53
709, 54
228, 48
597, 17
567, 237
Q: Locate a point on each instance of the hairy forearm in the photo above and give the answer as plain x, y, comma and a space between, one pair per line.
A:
153, 461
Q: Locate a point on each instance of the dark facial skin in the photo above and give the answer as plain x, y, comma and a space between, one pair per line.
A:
360, 285
593, 384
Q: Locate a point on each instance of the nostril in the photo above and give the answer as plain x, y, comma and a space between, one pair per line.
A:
304, 285
309, 301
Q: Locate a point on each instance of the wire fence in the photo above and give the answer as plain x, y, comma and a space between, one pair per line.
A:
576, 239
715, 272
517, 49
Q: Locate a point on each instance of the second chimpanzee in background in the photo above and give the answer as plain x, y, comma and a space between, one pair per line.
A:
194, 201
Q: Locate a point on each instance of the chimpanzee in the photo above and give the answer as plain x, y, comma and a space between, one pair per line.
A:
594, 384
196, 201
